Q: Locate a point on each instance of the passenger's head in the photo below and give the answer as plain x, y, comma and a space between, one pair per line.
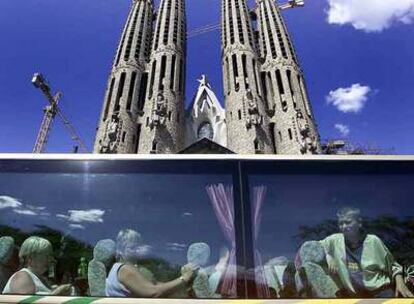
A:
198, 254
104, 251
349, 221
127, 245
8, 253
36, 253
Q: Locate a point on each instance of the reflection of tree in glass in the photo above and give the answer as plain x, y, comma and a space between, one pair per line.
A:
397, 234
163, 271
68, 260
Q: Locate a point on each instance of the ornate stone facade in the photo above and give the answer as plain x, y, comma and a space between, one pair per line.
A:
290, 115
247, 122
118, 130
267, 110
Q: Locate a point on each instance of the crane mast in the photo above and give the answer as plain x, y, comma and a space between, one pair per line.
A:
50, 112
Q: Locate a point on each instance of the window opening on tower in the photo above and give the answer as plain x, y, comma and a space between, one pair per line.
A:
289, 77
231, 23
235, 72
131, 91
162, 72
167, 23
176, 12
121, 46
264, 86
142, 91
172, 77
245, 76
108, 100
136, 142
120, 92
154, 64
279, 33
255, 78
158, 26
139, 44
180, 80
239, 22
132, 33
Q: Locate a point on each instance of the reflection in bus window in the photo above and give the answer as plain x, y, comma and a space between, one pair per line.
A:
144, 224
338, 236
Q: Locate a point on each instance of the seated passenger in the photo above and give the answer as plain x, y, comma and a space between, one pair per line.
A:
365, 266
218, 271
274, 271
36, 255
313, 277
103, 258
9, 259
125, 279
199, 254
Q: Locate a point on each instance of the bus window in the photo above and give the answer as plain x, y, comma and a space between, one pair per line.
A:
332, 230
94, 225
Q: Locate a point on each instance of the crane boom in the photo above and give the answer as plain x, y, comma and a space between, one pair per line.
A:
50, 112
72, 131
216, 26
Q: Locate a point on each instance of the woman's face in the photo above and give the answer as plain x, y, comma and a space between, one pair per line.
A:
41, 262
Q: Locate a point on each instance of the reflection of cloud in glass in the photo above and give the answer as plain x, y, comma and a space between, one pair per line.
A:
9, 202
76, 226
144, 249
176, 246
24, 212
187, 214
83, 216
20, 208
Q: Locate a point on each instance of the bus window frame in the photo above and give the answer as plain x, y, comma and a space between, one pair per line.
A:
241, 166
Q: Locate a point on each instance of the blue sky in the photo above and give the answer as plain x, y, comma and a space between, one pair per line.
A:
357, 57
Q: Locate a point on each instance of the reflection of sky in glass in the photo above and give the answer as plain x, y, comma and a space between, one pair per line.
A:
298, 200
170, 211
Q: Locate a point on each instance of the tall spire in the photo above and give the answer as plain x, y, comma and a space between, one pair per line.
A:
118, 130
295, 130
247, 123
163, 124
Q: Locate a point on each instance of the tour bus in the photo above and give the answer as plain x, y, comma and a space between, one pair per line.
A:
206, 228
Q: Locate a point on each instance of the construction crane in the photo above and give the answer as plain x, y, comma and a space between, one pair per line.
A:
50, 112
216, 26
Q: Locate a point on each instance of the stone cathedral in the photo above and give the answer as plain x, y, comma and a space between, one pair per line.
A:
267, 110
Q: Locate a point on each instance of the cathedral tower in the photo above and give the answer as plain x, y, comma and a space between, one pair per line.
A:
163, 125
284, 88
247, 123
118, 130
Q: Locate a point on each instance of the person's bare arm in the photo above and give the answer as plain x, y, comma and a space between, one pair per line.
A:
22, 283
62, 290
401, 288
130, 277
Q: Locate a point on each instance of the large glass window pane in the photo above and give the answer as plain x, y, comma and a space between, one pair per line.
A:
332, 229
120, 228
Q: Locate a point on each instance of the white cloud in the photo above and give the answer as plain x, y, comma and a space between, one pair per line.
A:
24, 211
9, 202
77, 226
370, 15
83, 216
350, 99
187, 214
176, 246
343, 129
20, 208
144, 250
